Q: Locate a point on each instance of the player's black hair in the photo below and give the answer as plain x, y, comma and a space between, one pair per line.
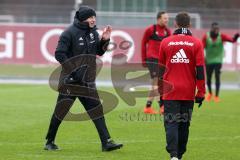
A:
214, 24
183, 19
159, 14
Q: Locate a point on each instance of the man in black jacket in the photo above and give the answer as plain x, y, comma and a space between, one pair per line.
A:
80, 39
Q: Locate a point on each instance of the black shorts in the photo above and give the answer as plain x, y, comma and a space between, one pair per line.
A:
152, 65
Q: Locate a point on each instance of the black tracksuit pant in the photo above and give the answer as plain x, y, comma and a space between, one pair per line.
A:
210, 68
64, 103
177, 117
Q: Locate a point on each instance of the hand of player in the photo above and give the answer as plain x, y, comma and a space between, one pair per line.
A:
235, 37
199, 100
107, 33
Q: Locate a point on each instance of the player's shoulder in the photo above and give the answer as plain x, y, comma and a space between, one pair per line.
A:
150, 27
223, 35
205, 35
191, 38
196, 40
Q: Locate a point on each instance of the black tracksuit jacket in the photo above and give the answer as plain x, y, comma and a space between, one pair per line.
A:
80, 40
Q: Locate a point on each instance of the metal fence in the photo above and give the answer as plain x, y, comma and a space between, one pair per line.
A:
30, 13
142, 19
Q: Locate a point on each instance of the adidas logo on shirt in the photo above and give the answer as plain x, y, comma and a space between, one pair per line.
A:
180, 57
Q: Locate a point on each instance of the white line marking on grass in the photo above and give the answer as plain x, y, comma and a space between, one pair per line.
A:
103, 83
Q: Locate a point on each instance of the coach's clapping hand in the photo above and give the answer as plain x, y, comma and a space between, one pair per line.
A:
107, 33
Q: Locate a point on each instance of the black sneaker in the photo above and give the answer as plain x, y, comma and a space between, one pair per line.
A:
110, 146
51, 147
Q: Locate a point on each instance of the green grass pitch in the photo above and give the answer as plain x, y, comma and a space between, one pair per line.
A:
26, 109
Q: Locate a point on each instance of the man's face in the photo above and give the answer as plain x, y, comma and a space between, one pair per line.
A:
163, 20
91, 21
215, 29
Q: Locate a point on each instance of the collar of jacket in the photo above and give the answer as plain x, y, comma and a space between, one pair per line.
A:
83, 25
182, 31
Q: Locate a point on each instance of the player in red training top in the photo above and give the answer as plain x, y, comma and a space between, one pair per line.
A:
183, 56
152, 38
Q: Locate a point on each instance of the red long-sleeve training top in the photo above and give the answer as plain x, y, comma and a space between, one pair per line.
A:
182, 54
